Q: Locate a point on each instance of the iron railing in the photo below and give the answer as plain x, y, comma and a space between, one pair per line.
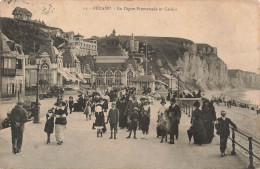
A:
251, 142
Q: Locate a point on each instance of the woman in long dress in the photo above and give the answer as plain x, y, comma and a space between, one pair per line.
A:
122, 115
199, 132
61, 121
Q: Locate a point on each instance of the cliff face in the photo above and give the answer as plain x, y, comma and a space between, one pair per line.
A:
199, 64
202, 68
243, 79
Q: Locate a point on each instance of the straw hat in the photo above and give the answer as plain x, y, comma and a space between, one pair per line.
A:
98, 109
135, 108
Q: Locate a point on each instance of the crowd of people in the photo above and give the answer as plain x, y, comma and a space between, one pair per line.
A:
232, 102
184, 94
127, 112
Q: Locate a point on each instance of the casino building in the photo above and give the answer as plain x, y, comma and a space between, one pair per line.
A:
113, 66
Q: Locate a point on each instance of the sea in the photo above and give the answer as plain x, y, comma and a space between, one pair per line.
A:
239, 95
253, 96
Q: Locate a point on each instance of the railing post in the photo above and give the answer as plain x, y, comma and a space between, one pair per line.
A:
251, 165
233, 152
186, 107
189, 112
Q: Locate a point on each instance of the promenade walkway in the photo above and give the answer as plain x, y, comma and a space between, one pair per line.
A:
82, 149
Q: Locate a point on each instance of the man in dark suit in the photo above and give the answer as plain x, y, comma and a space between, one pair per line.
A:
222, 126
18, 117
113, 116
174, 115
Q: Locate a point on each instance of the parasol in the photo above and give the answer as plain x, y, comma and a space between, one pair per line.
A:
190, 133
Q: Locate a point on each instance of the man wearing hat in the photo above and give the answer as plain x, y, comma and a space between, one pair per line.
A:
71, 103
222, 126
113, 118
18, 117
132, 103
174, 115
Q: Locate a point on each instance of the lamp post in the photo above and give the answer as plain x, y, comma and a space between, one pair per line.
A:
37, 105
146, 57
178, 78
171, 79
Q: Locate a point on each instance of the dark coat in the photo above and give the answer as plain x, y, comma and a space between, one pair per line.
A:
105, 105
134, 121
49, 125
18, 115
100, 119
61, 120
122, 116
199, 130
71, 103
113, 116
222, 126
174, 115
145, 122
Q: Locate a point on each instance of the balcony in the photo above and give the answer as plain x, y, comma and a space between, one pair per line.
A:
8, 72
19, 72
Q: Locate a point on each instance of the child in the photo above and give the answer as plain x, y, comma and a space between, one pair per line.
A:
145, 123
162, 127
113, 119
87, 110
100, 120
71, 103
49, 125
134, 122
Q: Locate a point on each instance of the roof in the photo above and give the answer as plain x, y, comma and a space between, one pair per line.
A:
78, 35
69, 33
112, 66
144, 78
3, 43
51, 50
18, 11
113, 51
7, 46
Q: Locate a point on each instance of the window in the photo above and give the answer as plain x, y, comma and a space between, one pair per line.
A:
100, 78
118, 78
45, 74
109, 78
9, 63
130, 78
19, 64
87, 81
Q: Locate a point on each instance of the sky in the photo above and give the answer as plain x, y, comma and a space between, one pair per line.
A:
231, 26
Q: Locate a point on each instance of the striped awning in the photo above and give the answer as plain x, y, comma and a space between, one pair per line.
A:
68, 76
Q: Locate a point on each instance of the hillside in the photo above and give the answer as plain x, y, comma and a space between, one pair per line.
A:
200, 67
26, 33
199, 64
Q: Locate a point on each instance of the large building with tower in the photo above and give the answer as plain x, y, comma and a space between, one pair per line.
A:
113, 66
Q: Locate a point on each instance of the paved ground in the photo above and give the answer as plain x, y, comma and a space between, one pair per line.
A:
82, 149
